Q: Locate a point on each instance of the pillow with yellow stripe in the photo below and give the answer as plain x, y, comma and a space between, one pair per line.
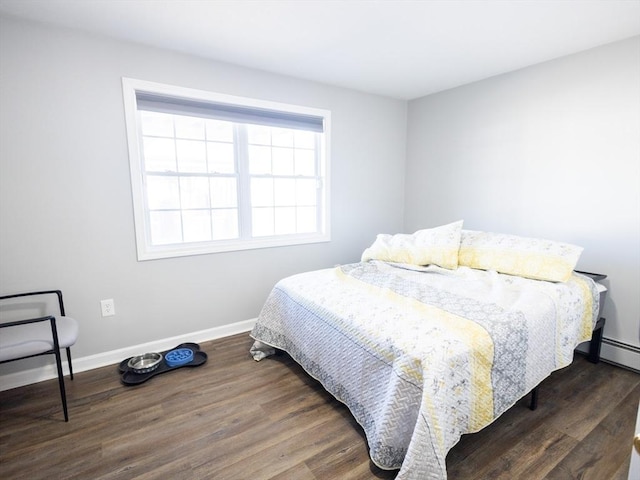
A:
526, 257
433, 246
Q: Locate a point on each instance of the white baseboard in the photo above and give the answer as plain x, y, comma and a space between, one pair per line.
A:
612, 351
82, 364
620, 353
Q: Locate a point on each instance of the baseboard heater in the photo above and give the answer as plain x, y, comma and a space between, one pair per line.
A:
621, 354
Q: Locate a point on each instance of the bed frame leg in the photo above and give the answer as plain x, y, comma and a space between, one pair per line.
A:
534, 399
596, 341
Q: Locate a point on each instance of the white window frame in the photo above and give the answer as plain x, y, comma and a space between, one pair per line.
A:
147, 251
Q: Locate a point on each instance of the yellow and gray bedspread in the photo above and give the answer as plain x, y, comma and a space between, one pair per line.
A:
422, 355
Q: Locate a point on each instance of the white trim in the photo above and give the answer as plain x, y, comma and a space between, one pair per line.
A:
147, 251
180, 250
625, 357
114, 357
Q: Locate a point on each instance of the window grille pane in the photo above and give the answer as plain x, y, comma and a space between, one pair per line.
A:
282, 161
192, 156
159, 154
189, 127
306, 191
304, 139
262, 222
305, 162
165, 227
225, 224
224, 192
282, 137
259, 135
163, 192
157, 124
221, 157
306, 219
219, 131
284, 220
194, 192
259, 160
284, 190
196, 225
262, 192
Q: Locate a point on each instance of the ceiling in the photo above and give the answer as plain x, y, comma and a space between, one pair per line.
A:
397, 48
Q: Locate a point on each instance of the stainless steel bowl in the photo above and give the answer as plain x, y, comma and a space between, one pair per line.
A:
145, 363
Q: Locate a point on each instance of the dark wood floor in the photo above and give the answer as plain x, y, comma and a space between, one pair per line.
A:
233, 418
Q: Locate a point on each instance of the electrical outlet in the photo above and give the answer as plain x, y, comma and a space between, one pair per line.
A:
108, 307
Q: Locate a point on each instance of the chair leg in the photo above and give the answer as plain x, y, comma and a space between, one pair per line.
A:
63, 394
69, 362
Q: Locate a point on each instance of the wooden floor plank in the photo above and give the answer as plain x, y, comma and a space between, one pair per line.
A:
235, 418
530, 458
285, 454
575, 415
602, 454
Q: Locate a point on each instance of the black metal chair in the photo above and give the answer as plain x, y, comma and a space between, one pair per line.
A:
32, 337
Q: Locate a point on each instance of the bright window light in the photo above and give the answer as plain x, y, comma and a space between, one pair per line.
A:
213, 173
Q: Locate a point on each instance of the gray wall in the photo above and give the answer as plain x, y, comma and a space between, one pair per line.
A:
65, 200
550, 151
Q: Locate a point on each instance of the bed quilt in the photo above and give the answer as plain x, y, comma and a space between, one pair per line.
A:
423, 355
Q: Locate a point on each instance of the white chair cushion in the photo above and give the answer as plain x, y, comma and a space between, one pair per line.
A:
34, 338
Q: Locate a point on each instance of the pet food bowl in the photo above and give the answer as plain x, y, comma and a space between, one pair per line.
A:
145, 363
179, 356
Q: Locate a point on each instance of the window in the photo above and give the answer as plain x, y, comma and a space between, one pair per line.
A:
213, 173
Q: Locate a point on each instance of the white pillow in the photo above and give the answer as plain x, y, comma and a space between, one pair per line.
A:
526, 257
433, 246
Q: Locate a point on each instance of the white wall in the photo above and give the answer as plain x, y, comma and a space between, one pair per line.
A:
66, 213
550, 151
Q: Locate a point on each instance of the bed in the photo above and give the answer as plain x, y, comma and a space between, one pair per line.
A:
428, 337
